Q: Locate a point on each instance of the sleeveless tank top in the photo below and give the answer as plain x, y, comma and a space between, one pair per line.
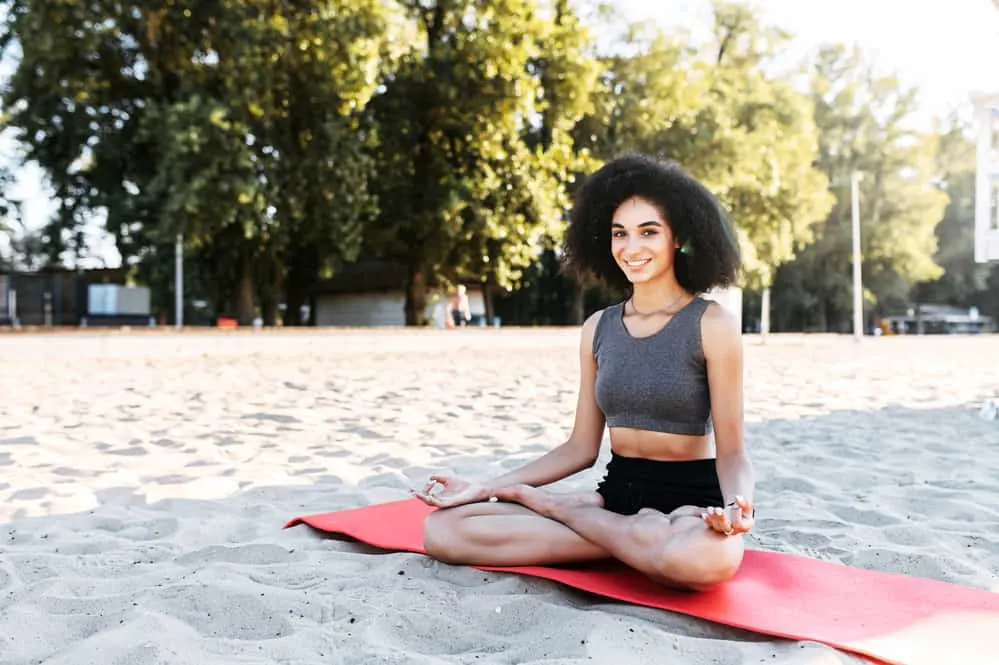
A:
659, 382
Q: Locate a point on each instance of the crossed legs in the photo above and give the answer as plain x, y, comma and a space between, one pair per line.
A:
536, 527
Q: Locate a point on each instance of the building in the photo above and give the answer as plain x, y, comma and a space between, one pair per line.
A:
373, 293
932, 319
64, 297
987, 178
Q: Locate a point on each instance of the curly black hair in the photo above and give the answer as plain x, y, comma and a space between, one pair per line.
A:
709, 250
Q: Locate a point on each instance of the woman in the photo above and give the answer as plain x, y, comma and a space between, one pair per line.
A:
663, 372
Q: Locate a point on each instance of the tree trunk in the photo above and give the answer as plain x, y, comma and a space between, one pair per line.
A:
576, 308
272, 286
244, 295
416, 297
303, 270
269, 309
487, 298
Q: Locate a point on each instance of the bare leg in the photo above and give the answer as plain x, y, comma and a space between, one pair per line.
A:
677, 550
507, 534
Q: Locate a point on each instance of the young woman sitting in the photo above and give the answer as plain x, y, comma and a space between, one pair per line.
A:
663, 371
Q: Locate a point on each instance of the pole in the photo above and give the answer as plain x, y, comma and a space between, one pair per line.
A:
765, 315
179, 281
858, 299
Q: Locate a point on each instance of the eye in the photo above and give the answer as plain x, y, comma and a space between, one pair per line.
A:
617, 234
650, 232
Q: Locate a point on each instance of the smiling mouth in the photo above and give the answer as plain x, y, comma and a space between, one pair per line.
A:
636, 264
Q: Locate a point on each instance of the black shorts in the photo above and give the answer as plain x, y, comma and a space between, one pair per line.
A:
633, 483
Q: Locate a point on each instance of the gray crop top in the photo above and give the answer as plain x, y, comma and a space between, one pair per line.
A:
656, 383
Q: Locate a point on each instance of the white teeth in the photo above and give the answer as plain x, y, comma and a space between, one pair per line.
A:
637, 263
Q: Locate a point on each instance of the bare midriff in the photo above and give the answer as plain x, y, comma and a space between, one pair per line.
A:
628, 442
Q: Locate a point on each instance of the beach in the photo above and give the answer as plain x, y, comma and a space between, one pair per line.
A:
145, 478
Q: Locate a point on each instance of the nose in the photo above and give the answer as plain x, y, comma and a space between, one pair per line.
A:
632, 246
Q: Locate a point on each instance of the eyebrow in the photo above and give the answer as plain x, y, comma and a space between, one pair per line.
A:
642, 225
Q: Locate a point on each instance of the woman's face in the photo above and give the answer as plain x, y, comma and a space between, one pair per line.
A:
641, 241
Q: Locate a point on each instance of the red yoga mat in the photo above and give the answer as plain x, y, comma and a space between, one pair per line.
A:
891, 618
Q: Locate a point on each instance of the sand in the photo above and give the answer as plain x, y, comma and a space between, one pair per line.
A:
145, 477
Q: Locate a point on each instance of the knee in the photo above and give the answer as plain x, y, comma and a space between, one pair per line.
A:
710, 563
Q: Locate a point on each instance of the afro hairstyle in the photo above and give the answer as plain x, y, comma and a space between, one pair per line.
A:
709, 254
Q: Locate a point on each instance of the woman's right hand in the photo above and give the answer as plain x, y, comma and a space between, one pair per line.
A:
454, 492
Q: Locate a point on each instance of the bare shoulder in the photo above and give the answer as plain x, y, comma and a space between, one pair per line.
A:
589, 327
591, 322
720, 330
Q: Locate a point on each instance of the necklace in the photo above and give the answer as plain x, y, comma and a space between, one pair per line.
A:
664, 310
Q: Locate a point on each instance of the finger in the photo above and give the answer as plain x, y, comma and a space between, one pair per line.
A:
714, 517
443, 479
422, 497
743, 524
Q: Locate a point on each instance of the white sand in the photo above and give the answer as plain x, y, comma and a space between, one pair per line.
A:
144, 480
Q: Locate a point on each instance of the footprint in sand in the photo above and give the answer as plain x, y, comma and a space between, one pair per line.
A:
133, 451
865, 517
913, 536
777, 485
253, 555
154, 529
33, 494
6, 579
232, 615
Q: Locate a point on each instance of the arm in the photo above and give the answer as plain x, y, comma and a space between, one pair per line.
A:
581, 449
722, 342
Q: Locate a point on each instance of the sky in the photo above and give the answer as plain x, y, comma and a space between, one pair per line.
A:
943, 47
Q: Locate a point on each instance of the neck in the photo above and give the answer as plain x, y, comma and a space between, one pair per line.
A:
656, 295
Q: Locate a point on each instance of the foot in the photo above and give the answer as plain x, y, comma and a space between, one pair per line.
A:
546, 503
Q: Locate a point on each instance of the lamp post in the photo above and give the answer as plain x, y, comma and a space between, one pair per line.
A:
178, 295
858, 287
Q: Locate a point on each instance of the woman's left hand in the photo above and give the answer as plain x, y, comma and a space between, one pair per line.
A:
730, 521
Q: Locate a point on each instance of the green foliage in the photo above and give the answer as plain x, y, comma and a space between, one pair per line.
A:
749, 137
286, 139
863, 123
239, 124
468, 187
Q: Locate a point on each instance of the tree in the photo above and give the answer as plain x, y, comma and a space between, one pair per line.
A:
749, 137
955, 164
460, 191
769, 141
238, 124
862, 120
504, 235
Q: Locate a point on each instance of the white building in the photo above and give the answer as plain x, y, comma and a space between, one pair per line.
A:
987, 178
